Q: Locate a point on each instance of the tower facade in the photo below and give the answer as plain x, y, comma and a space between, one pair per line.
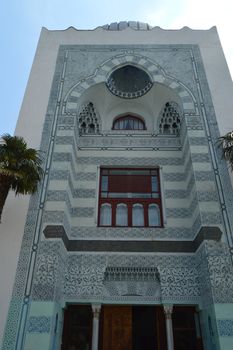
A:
128, 242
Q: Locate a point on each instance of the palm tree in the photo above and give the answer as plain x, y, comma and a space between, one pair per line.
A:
226, 142
20, 168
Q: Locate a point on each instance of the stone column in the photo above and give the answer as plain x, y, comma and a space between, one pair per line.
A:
95, 326
168, 317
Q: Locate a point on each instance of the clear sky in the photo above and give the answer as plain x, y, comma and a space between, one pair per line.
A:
21, 22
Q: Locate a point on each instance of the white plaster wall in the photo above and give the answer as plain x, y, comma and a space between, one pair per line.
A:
29, 126
35, 102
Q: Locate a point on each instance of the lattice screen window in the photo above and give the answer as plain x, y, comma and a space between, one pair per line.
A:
88, 120
170, 119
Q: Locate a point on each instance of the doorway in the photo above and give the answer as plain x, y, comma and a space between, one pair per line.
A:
133, 327
77, 330
130, 327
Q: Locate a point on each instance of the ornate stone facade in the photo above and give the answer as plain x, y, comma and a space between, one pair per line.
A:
77, 139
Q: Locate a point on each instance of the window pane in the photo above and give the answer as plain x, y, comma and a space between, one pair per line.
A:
141, 126
154, 215
106, 215
121, 215
129, 123
136, 125
127, 195
104, 184
138, 215
129, 183
154, 183
129, 172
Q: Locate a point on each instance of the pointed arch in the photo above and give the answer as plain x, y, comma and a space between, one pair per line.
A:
102, 73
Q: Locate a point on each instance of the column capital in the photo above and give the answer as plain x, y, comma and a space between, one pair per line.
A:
96, 310
168, 308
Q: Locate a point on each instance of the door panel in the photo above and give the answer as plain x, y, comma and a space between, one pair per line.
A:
184, 329
133, 328
117, 328
144, 328
77, 328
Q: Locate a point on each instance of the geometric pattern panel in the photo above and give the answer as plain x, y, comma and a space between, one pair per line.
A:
39, 324
225, 328
221, 272
181, 282
115, 278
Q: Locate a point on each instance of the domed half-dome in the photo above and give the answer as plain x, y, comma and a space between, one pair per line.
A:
129, 82
124, 24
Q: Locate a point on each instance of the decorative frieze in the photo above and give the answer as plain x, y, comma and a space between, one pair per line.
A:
113, 140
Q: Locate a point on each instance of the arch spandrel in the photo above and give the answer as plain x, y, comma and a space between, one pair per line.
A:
156, 73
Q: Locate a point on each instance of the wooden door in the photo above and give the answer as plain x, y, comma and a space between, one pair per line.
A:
77, 330
184, 329
117, 327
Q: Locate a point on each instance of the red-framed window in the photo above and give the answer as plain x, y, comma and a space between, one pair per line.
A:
130, 197
128, 122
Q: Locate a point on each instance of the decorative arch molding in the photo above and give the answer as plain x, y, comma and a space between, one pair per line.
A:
155, 71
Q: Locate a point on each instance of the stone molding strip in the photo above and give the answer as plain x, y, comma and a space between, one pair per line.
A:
205, 233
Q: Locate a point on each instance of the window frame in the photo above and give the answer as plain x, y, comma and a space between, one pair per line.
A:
130, 117
146, 202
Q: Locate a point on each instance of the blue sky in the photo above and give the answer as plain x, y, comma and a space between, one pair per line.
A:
21, 22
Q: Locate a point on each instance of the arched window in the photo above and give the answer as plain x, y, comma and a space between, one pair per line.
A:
121, 215
106, 214
138, 215
129, 122
154, 215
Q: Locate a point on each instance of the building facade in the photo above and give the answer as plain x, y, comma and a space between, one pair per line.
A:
128, 243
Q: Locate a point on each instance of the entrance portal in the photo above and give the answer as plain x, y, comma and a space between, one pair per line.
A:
130, 327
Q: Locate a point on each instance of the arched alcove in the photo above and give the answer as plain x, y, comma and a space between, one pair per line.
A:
155, 72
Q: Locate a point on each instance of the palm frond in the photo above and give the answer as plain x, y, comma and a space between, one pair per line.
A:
226, 143
20, 163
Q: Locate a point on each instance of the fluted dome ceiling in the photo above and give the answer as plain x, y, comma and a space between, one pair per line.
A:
124, 24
